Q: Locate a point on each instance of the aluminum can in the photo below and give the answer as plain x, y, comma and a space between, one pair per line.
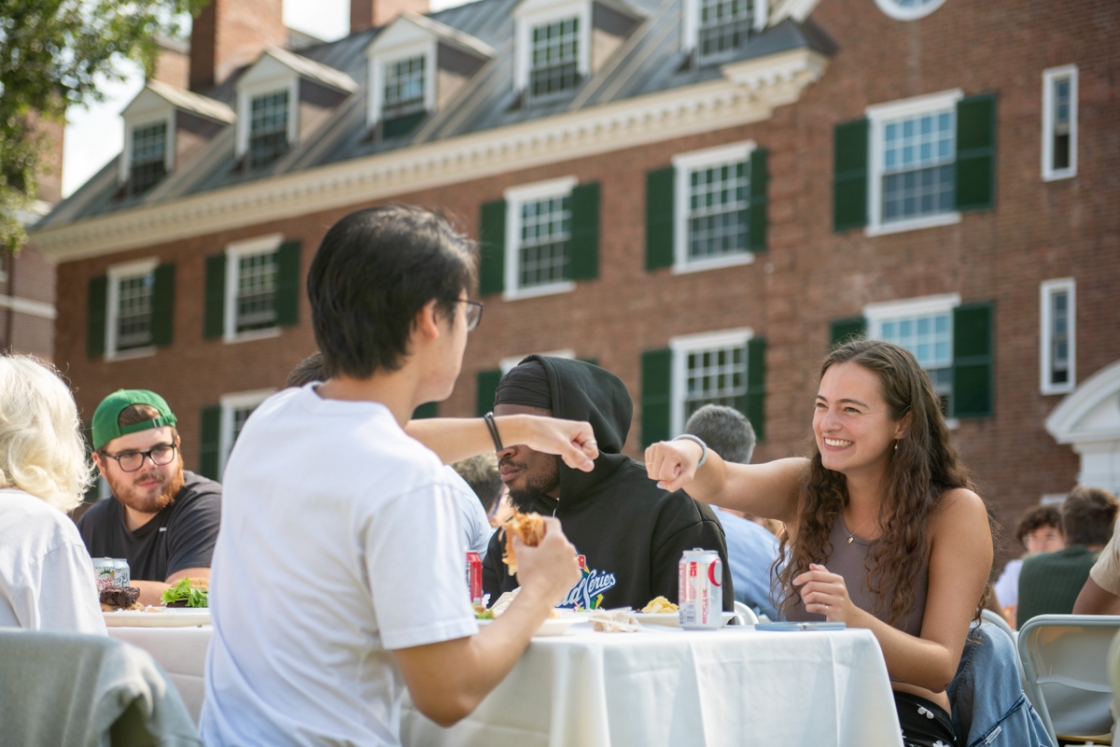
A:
121, 573
700, 596
104, 570
474, 577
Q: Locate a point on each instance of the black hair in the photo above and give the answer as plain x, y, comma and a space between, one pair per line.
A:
375, 270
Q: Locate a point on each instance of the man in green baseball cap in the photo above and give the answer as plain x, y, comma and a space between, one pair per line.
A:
162, 519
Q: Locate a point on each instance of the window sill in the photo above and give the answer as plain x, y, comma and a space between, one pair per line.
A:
932, 221
127, 355
718, 263
1058, 389
1053, 176
538, 290
256, 334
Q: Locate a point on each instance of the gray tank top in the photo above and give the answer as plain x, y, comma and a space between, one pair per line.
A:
849, 561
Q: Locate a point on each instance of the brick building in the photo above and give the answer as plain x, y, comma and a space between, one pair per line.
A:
698, 195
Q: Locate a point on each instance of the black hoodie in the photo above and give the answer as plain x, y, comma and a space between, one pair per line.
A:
631, 532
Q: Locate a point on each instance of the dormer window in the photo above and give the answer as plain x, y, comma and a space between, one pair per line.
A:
268, 128
714, 29
554, 57
149, 156
403, 95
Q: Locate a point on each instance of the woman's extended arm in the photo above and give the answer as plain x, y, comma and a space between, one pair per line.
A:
453, 439
959, 564
768, 490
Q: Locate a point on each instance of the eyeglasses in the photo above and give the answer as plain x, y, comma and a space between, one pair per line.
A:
474, 313
132, 461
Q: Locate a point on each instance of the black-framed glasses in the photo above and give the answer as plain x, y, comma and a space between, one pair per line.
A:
474, 313
132, 461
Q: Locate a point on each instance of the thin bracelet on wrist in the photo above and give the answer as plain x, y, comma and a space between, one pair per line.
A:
696, 440
493, 428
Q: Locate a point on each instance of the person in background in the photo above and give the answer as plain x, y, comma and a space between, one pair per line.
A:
46, 576
751, 549
1050, 583
1101, 593
1040, 530
502, 510
482, 475
476, 524
162, 519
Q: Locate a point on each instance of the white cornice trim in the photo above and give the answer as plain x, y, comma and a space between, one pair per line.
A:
29, 307
736, 100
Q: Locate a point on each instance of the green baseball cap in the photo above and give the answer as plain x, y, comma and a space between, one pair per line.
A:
105, 427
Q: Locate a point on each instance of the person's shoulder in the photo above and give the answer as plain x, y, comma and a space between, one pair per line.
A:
199, 488
30, 517
957, 505
98, 513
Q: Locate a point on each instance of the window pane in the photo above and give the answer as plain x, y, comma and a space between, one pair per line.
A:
268, 128
717, 220
404, 87
554, 57
543, 248
1059, 337
256, 291
147, 160
918, 154
928, 337
724, 25
715, 376
134, 311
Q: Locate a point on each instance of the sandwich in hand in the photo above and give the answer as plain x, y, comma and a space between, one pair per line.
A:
529, 528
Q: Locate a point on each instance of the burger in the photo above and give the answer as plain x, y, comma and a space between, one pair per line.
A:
529, 528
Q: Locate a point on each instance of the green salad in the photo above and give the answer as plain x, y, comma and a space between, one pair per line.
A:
183, 594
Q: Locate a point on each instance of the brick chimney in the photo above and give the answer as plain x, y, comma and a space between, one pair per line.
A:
366, 14
173, 62
230, 33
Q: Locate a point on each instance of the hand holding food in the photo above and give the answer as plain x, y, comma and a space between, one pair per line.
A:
550, 569
529, 528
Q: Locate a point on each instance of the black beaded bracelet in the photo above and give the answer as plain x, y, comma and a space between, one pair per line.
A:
493, 428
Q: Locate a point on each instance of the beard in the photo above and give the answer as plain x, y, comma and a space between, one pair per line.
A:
536, 489
138, 500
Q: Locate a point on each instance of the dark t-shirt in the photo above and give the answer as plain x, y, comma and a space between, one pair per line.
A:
1050, 581
180, 536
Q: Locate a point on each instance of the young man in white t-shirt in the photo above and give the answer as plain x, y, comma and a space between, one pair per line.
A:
338, 576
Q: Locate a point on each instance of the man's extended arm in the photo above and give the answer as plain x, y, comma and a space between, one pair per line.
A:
1093, 600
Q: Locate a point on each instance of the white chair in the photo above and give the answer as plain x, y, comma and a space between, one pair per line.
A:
744, 615
1065, 668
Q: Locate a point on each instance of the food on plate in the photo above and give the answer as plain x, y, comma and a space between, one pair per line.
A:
614, 621
116, 598
530, 528
481, 613
188, 593
658, 606
503, 602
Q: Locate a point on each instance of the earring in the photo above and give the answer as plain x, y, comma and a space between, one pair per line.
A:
896, 444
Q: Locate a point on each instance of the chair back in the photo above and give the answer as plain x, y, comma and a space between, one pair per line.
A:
744, 615
1065, 667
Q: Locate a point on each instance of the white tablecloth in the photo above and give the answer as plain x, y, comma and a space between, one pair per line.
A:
672, 687
657, 687
182, 654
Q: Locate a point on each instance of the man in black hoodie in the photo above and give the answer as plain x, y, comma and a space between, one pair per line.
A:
630, 532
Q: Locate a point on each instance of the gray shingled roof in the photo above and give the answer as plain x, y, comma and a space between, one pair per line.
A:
650, 60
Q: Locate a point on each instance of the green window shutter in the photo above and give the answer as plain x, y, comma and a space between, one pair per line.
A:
96, 310
487, 385
287, 284
845, 330
429, 410
849, 180
657, 395
584, 243
592, 361
659, 217
492, 260
973, 360
211, 442
976, 153
756, 385
760, 179
163, 305
214, 324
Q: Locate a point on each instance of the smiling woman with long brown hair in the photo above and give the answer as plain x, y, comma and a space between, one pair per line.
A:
884, 529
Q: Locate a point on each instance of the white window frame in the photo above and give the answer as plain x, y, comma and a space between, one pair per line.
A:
234, 252
690, 21
529, 18
247, 93
229, 403
1049, 77
683, 163
876, 313
115, 274
907, 14
380, 59
877, 116
124, 172
683, 345
1047, 289
515, 197
509, 362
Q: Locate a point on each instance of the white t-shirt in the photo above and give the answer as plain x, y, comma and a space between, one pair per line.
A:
46, 575
476, 525
341, 540
1007, 587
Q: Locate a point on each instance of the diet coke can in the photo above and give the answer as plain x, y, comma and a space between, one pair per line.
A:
700, 599
474, 577
104, 570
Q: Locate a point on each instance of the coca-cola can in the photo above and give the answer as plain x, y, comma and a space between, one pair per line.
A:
104, 570
700, 598
474, 577
121, 575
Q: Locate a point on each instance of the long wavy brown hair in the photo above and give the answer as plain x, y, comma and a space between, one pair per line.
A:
922, 467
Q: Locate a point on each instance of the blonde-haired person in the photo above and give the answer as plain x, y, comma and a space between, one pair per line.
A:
46, 576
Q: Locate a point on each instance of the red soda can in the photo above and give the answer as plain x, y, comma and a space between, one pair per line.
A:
700, 598
474, 577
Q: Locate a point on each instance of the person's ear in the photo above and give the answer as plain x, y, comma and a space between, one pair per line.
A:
98, 462
427, 321
903, 426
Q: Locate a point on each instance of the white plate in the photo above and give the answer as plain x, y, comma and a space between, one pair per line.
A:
158, 617
670, 619
551, 626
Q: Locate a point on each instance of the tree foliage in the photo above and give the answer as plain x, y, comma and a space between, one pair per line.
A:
53, 55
